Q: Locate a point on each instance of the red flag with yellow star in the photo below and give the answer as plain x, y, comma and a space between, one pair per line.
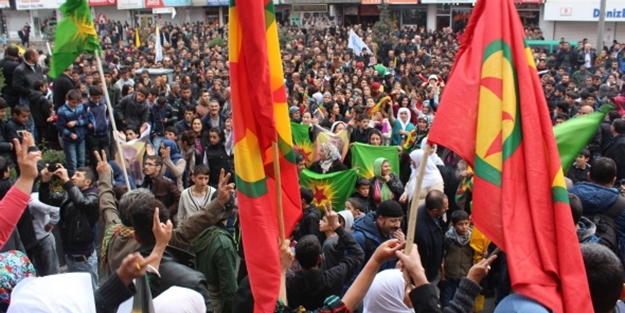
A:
260, 118
503, 130
335, 187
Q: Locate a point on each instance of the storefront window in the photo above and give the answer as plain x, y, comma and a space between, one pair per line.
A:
416, 16
444, 8
460, 17
443, 21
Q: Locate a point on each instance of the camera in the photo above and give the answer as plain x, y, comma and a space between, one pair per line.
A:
53, 167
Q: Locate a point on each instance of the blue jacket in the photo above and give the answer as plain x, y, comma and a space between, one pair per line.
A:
97, 114
598, 199
366, 229
65, 115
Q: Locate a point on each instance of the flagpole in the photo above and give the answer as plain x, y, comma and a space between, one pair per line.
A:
276, 172
112, 117
412, 219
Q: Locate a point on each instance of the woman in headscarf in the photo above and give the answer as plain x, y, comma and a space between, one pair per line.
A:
419, 133
432, 178
294, 114
14, 267
384, 185
401, 126
174, 163
330, 161
388, 294
217, 157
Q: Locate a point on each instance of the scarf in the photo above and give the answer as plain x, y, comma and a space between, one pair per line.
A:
386, 294
452, 235
126, 232
14, 267
331, 154
382, 192
431, 175
402, 123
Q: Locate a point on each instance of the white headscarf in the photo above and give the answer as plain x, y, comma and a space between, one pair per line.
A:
175, 299
386, 294
331, 153
61, 293
402, 123
431, 175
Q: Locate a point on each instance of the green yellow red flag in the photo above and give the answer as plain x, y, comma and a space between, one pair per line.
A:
364, 155
335, 187
519, 197
260, 118
74, 35
378, 106
301, 141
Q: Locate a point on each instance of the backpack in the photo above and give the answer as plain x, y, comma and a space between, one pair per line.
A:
606, 225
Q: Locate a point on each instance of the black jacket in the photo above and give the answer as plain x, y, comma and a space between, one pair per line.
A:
24, 78
8, 66
11, 133
310, 288
615, 149
5, 147
39, 108
176, 269
217, 158
132, 114
425, 299
62, 85
79, 214
395, 185
431, 242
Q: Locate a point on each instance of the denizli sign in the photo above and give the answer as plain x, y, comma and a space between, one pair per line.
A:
615, 14
587, 11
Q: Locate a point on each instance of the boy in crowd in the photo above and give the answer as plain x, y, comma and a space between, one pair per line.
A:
459, 254
361, 133
309, 224
171, 133
72, 125
361, 193
194, 198
579, 171
99, 127
354, 206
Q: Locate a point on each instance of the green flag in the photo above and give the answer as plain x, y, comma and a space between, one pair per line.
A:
301, 141
364, 155
335, 187
574, 135
75, 34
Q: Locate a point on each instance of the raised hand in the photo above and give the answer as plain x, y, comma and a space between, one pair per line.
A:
331, 216
162, 231
224, 190
386, 251
103, 165
27, 155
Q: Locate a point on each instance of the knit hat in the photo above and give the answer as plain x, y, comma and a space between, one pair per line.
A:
292, 110
390, 208
375, 86
360, 65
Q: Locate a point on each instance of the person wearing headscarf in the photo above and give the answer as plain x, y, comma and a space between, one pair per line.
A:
174, 163
14, 267
376, 138
420, 132
330, 161
387, 294
384, 185
432, 178
401, 126
294, 114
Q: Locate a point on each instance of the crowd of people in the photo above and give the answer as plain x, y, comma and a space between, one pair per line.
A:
178, 224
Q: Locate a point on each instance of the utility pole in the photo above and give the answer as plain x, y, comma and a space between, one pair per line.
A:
601, 26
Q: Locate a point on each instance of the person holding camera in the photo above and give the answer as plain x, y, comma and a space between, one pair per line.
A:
79, 214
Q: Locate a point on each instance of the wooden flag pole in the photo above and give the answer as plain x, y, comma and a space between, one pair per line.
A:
112, 117
276, 173
414, 204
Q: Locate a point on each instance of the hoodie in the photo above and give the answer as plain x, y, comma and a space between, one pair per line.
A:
586, 231
595, 198
366, 229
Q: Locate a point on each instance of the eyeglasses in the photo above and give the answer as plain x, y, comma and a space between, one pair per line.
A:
149, 164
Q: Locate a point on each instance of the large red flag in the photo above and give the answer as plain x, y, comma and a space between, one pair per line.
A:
494, 115
260, 117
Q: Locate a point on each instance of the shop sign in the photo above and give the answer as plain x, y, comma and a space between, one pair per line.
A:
129, 4
95, 3
310, 8
584, 11
350, 10
5, 4
150, 4
38, 4
448, 1
217, 3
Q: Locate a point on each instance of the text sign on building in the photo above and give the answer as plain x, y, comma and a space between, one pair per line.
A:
310, 8
149, 4
129, 4
584, 11
95, 3
38, 4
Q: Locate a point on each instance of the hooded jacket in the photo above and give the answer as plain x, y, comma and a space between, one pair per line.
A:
368, 236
